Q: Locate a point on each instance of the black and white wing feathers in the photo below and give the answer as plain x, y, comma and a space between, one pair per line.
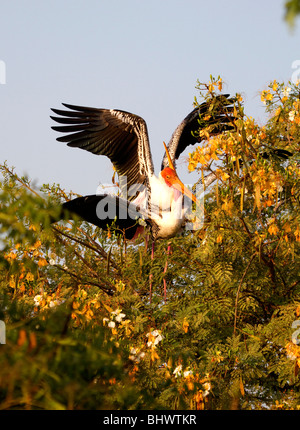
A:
119, 135
183, 135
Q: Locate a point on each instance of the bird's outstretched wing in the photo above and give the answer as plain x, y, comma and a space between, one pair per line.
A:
220, 117
107, 211
120, 135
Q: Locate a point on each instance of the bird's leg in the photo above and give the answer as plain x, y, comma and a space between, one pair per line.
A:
150, 287
146, 239
165, 285
165, 271
151, 275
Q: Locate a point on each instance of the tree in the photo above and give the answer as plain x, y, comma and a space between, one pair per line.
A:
292, 10
207, 322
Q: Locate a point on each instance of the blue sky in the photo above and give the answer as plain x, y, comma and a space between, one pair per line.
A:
143, 57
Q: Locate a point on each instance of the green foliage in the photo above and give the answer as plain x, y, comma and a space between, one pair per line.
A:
292, 10
93, 322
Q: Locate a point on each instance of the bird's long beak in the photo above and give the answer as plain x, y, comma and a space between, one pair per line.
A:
178, 185
176, 182
171, 165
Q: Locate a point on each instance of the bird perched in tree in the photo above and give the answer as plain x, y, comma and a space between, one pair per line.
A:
123, 137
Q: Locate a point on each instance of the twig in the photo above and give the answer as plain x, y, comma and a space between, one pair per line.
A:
238, 292
16, 177
96, 284
97, 249
165, 271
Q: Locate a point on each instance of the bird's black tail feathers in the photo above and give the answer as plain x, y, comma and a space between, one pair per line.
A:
104, 211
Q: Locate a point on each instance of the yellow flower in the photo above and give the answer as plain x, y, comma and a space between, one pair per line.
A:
220, 84
211, 87
275, 85
190, 385
10, 256
29, 277
89, 314
154, 355
239, 98
297, 120
42, 262
220, 173
277, 112
286, 238
219, 238
192, 165
273, 229
12, 282
287, 227
227, 206
205, 133
297, 234
268, 202
262, 134
185, 325
218, 357
266, 95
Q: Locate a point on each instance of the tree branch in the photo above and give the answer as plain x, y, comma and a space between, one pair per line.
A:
238, 292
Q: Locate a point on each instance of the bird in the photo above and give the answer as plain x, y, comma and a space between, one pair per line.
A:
146, 201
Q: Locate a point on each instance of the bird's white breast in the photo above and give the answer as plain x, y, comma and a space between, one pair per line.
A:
169, 216
169, 224
166, 206
161, 194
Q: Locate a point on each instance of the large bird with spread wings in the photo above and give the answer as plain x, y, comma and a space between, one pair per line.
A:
145, 199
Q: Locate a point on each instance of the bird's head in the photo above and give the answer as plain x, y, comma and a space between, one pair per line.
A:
169, 175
